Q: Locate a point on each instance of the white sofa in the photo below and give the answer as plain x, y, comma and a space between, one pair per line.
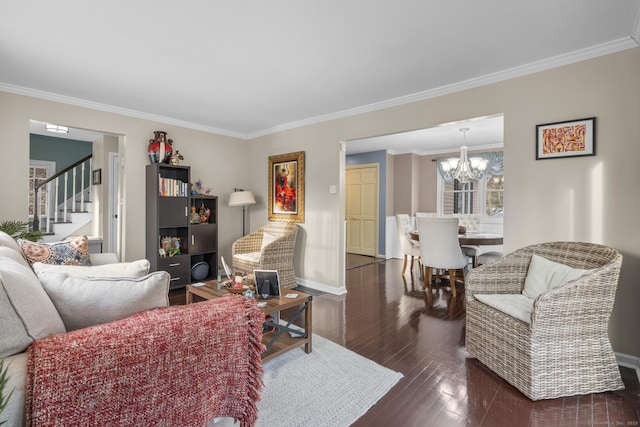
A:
67, 333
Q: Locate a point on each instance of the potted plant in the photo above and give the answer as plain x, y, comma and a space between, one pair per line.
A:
4, 397
20, 230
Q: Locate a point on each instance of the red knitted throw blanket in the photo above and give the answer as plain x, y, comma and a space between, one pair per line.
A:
171, 366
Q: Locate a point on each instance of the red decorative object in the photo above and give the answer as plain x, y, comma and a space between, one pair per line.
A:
160, 148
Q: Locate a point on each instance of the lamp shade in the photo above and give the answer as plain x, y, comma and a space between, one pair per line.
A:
241, 198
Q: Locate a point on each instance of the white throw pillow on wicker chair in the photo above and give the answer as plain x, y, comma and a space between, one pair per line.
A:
544, 274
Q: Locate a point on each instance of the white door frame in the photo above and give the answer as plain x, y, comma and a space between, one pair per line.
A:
112, 223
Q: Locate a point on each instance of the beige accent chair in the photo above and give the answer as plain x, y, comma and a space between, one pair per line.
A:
270, 247
554, 344
410, 247
440, 249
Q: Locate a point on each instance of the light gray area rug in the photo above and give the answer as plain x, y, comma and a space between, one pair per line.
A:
332, 386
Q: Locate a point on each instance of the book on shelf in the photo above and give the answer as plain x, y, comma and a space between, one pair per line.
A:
169, 187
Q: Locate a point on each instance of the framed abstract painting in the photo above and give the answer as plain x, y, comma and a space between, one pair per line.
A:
566, 139
286, 187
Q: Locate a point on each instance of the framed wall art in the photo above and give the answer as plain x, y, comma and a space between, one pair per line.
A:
286, 187
566, 139
96, 177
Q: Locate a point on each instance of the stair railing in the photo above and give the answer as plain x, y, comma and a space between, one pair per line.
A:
54, 181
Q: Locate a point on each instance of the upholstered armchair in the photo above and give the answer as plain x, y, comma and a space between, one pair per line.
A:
270, 247
538, 318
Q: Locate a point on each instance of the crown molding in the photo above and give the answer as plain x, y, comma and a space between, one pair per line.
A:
472, 149
533, 67
635, 33
34, 93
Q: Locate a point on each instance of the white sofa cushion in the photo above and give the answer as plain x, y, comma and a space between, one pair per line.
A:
544, 274
29, 300
131, 269
518, 306
13, 254
87, 301
13, 335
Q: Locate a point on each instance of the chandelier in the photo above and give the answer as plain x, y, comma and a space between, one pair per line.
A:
464, 169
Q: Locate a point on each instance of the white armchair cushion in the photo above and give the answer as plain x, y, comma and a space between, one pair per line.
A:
518, 306
132, 269
544, 274
266, 239
253, 257
87, 301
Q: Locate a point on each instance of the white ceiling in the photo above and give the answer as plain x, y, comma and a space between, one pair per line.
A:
248, 67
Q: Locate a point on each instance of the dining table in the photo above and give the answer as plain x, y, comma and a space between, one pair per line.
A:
475, 238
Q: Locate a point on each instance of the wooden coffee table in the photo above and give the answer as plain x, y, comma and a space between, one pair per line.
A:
283, 337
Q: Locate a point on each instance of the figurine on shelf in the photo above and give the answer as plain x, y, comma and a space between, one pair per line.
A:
196, 187
175, 158
205, 212
194, 217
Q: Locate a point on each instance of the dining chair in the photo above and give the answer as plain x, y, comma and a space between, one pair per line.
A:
441, 250
410, 247
426, 215
472, 223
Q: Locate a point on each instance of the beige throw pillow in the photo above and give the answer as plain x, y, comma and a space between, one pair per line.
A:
544, 274
266, 239
132, 269
87, 301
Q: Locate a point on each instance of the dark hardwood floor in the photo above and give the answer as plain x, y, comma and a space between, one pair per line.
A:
389, 319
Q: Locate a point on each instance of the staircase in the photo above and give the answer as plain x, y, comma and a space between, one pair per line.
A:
74, 212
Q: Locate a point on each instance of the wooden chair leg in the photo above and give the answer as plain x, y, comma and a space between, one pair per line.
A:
411, 268
427, 278
452, 280
404, 267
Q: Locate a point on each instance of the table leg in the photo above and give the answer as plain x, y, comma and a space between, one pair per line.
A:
189, 297
307, 326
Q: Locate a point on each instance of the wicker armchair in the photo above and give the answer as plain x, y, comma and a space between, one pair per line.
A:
564, 350
248, 254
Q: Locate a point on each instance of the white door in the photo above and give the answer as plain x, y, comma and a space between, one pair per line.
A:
362, 209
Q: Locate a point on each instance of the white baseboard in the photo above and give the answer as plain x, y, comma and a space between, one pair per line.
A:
629, 361
322, 287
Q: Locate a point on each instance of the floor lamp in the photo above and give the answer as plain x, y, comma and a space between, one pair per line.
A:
239, 197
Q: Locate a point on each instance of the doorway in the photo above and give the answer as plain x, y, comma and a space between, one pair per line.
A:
103, 203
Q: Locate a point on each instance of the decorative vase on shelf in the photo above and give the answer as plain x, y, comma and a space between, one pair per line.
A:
160, 148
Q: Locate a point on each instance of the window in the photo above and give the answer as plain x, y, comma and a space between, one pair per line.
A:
40, 170
494, 196
477, 196
460, 197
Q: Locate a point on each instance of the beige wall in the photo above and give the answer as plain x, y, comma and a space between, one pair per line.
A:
208, 155
427, 196
403, 188
588, 199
